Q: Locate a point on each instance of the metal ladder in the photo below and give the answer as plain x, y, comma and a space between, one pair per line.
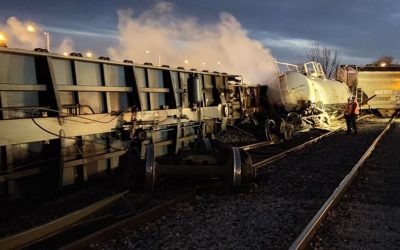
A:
284, 91
359, 95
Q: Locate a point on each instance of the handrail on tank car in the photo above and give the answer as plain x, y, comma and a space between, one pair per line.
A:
314, 69
289, 67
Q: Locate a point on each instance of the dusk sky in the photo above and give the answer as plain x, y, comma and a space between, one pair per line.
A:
360, 30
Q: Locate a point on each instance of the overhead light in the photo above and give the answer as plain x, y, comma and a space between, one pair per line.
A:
30, 28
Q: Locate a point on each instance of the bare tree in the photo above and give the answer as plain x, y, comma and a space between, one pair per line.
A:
327, 57
384, 61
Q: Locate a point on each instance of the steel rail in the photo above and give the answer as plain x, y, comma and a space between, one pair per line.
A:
41, 232
268, 143
299, 147
109, 232
259, 145
303, 239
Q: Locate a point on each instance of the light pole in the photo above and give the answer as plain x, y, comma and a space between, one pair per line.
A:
2, 41
46, 34
148, 52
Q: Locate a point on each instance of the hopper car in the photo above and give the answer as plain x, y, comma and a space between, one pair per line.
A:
376, 87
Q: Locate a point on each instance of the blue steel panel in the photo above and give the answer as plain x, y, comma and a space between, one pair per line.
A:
115, 76
156, 81
175, 83
88, 73
17, 69
140, 78
62, 71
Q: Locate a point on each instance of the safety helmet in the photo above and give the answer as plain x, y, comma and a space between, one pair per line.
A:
350, 98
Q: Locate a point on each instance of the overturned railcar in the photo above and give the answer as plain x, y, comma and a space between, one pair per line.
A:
306, 91
64, 119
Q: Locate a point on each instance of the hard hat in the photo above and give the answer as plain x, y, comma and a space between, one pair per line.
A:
350, 98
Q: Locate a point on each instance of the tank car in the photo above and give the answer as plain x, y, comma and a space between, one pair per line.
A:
307, 92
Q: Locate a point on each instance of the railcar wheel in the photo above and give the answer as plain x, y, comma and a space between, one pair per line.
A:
150, 168
237, 167
268, 128
288, 132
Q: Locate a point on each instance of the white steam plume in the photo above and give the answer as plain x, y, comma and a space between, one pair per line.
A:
66, 46
18, 36
223, 46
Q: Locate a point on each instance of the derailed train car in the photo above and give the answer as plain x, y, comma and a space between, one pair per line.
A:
306, 92
64, 119
377, 87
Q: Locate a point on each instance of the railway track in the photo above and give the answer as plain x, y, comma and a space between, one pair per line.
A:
40, 233
261, 157
364, 209
100, 221
130, 223
105, 227
285, 197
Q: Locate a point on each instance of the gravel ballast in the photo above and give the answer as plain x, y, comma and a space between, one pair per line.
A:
368, 216
270, 213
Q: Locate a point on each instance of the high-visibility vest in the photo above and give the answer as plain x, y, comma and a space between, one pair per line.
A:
350, 107
356, 108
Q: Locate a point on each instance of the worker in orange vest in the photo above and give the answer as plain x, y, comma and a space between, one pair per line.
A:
351, 113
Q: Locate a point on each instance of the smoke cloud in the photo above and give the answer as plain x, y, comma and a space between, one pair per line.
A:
158, 36
18, 36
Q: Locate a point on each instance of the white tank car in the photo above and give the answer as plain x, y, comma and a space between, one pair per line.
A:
309, 90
